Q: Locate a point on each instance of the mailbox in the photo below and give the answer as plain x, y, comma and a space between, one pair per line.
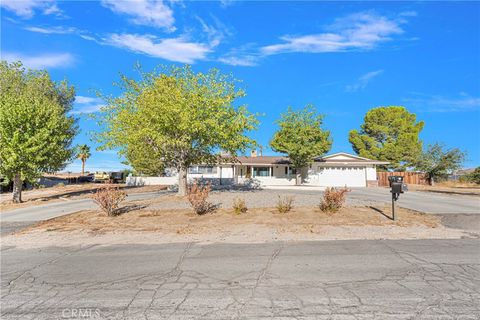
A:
397, 186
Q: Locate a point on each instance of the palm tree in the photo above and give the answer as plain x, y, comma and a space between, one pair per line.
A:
83, 154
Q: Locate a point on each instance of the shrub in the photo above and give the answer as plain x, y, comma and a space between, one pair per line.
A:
333, 199
198, 195
239, 206
284, 204
108, 199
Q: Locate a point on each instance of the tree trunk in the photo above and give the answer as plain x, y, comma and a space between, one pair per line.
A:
298, 178
83, 167
432, 181
182, 182
17, 188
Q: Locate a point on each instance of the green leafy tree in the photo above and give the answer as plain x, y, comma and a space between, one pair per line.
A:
301, 137
83, 153
36, 131
176, 118
437, 161
474, 176
389, 134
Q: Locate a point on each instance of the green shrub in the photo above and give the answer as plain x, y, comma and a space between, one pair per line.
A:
239, 206
285, 204
333, 199
474, 176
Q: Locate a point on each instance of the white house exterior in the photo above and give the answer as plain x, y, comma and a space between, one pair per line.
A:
336, 170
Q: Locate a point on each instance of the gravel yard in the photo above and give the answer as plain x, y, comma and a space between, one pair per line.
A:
264, 198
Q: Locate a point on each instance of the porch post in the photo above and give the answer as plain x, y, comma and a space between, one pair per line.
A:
271, 171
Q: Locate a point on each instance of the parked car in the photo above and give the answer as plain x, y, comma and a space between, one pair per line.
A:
88, 178
101, 176
116, 177
113, 177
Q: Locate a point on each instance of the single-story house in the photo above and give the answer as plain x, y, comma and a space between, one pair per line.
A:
335, 170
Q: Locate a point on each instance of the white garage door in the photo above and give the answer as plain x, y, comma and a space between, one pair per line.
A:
340, 176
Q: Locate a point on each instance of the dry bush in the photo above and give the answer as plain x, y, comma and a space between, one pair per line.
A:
198, 195
239, 206
284, 204
333, 199
108, 199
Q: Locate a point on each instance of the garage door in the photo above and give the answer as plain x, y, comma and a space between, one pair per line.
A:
340, 176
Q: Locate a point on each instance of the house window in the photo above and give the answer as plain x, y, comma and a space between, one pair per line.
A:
202, 169
261, 171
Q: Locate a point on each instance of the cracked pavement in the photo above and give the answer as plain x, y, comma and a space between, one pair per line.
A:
402, 279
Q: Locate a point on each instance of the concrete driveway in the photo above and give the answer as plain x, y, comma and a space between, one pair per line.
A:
419, 279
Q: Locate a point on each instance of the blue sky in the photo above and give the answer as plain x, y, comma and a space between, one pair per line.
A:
343, 57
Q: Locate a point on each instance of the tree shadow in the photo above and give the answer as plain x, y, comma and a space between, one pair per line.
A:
381, 212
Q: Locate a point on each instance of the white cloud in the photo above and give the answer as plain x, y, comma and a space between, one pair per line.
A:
437, 103
242, 61
227, 3
363, 81
27, 8
360, 31
85, 105
144, 12
172, 49
44, 61
51, 30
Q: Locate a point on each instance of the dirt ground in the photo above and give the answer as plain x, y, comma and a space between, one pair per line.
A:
257, 225
185, 221
61, 193
449, 188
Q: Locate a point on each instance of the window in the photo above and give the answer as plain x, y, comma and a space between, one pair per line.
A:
202, 169
261, 171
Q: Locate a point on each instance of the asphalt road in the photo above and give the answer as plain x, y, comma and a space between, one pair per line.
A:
423, 201
56, 209
416, 279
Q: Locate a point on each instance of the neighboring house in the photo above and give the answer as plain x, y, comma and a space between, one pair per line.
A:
336, 170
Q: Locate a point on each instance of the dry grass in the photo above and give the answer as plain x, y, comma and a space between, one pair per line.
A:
298, 220
449, 187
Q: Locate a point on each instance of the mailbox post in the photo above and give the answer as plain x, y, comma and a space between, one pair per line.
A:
396, 188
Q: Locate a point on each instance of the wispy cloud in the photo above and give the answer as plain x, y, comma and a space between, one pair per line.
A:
243, 61
144, 12
172, 49
215, 32
363, 81
27, 8
51, 30
359, 31
85, 105
438, 103
43, 61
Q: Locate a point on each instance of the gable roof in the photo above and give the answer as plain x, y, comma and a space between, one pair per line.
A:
345, 158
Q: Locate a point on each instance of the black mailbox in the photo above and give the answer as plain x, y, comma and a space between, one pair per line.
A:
397, 187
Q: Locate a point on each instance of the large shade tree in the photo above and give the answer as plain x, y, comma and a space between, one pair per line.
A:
437, 161
301, 137
389, 134
36, 131
175, 117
